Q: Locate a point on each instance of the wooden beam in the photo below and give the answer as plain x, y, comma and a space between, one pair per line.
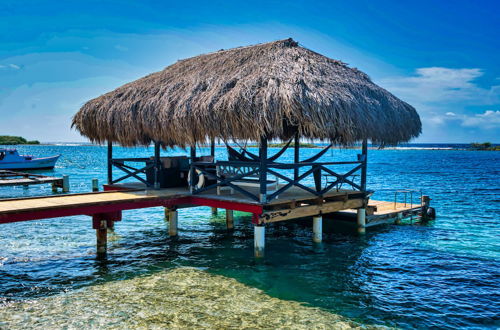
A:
364, 153
296, 155
212, 147
110, 162
310, 210
191, 168
157, 166
263, 169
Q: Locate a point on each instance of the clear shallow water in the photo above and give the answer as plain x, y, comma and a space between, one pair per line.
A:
445, 274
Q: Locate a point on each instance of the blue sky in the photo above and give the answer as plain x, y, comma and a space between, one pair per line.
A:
440, 56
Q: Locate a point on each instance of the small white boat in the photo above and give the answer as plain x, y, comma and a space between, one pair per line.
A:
11, 160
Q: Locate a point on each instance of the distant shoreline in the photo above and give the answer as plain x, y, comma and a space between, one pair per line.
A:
410, 146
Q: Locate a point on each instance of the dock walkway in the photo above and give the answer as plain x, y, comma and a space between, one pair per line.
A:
106, 207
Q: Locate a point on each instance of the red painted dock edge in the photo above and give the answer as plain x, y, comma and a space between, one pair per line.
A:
112, 212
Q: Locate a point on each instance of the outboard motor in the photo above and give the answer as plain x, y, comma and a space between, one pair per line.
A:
428, 213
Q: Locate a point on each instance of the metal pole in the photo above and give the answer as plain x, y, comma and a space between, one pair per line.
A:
110, 162
157, 165
296, 156
364, 152
263, 169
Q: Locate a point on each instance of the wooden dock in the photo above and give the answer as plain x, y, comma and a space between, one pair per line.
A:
12, 178
106, 207
382, 212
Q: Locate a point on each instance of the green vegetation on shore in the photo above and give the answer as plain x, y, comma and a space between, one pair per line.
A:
8, 140
484, 146
301, 144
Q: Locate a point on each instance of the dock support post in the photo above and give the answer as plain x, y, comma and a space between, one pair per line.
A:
364, 156
95, 185
317, 229
259, 240
230, 219
65, 183
110, 162
361, 219
214, 211
167, 214
157, 165
399, 218
191, 168
102, 238
296, 156
212, 147
54, 188
172, 223
263, 169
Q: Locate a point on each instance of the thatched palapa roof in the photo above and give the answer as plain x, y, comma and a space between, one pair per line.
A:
271, 89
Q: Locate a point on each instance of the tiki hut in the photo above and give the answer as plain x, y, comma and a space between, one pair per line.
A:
273, 89
277, 90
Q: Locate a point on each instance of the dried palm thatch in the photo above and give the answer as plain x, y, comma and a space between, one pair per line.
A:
273, 89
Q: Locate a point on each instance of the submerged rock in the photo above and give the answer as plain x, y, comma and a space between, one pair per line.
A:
179, 298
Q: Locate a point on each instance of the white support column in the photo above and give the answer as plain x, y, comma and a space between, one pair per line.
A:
172, 226
229, 219
167, 214
259, 240
65, 183
361, 217
317, 229
399, 218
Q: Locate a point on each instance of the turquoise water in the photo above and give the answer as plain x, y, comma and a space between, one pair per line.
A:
445, 274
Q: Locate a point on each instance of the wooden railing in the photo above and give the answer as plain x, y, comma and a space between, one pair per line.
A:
240, 170
130, 170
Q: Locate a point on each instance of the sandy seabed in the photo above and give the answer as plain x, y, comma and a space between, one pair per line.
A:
178, 298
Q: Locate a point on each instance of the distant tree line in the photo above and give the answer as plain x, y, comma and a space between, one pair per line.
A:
484, 146
7, 139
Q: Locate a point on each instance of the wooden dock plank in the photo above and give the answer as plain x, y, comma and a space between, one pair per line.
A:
12, 178
310, 210
300, 202
34, 204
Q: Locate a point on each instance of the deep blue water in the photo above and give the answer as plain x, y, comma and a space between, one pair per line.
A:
445, 274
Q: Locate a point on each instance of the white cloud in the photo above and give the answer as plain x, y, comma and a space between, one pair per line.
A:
10, 66
438, 85
490, 119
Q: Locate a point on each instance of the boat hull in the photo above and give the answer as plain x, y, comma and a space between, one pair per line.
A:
34, 164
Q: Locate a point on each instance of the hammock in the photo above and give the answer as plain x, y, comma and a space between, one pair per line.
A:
235, 155
317, 156
253, 157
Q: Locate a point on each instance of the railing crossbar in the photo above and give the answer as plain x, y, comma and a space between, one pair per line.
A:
131, 174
